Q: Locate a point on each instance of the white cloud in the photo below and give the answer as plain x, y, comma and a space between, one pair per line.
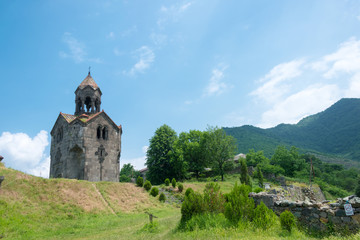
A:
314, 85
172, 13
42, 169
117, 52
345, 60
158, 39
311, 100
139, 162
145, 58
273, 87
216, 86
76, 50
22, 152
144, 149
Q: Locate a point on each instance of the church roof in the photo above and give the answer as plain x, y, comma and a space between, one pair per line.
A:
86, 118
88, 81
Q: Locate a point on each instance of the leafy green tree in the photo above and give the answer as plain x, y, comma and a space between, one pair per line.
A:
219, 148
289, 160
192, 147
160, 154
128, 172
254, 158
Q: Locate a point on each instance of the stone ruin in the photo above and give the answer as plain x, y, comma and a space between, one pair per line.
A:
314, 213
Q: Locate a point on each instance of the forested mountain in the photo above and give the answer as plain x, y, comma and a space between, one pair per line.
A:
335, 131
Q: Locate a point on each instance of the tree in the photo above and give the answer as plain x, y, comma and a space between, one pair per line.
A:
254, 158
290, 161
244, 175
260, 177
219, 149
128, 172
164, 158
357, 191
191, 144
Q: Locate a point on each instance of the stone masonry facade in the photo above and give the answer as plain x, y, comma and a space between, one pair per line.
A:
86, 145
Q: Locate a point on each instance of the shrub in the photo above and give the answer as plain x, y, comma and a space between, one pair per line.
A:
147, 185
180, 187
287, 220
154, 191
139, 181
167, 182
357, 191
239, 205
188, 191
258, 189
162, 197
206, 221
263, 217
213, 198
192, 205
173, 183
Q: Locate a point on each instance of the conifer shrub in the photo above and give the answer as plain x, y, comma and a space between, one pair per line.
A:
239, 205
154, 191
263, 216
139, 181
213, 198
357, 190
287, 220
147, 185
180, 187
167, 182
188, 191
173, 183
192, 205
162, 197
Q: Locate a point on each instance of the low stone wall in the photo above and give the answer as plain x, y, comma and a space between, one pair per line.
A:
315, 216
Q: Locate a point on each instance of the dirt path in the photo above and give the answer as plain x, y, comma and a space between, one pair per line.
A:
106, 204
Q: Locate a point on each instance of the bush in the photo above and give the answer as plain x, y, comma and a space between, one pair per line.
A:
173, 183
162, 197
139, 181
239, 205
188, 191
180, 187
263, 217
287, 220
167, 182
206, 221
154, 191
192, 205
357, 191
258, 189
147, 185
213, 198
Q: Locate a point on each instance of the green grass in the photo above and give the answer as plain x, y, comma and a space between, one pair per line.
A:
36, 208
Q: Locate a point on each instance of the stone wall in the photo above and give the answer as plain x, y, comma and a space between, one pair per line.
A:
315, 216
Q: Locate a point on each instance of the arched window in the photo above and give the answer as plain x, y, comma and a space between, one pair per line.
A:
105, 133
88, 104
98, 132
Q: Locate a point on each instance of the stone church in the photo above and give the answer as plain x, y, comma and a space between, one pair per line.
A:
86, 145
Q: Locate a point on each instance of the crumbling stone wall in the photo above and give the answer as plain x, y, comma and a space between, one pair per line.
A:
315, 216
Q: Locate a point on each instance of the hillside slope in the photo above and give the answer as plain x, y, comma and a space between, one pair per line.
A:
334, 131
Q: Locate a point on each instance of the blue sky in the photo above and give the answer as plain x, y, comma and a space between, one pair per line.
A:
188, 64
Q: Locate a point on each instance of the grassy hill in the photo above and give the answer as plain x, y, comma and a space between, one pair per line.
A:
36, 208
333, 133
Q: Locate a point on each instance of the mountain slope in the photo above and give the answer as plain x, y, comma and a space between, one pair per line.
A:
334, 131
